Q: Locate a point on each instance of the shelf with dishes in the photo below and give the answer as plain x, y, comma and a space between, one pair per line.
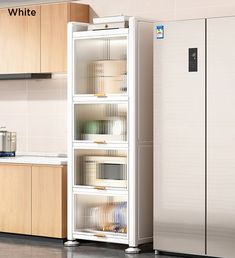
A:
100, 123
101, 169
101, 216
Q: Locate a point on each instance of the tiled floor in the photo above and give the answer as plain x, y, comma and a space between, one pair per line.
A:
12, 246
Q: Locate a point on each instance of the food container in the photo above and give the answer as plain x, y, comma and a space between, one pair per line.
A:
108, 76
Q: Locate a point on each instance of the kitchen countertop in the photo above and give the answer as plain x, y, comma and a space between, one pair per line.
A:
37, 160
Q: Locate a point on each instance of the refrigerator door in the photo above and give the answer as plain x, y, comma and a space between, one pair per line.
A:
179, 134
221, 137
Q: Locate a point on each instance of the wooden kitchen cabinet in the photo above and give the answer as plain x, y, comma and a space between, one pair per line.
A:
38, 44
33, 199
54, 19
49, 201
20, 42
15, 192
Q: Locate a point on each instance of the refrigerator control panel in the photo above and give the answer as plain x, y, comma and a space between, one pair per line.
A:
192, 60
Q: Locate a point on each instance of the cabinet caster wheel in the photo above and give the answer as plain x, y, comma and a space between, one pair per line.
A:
132, 250
71, 243
156, 252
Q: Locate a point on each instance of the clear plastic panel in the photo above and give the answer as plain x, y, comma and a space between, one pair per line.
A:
100, 122
100, 66
101, 168
106, 214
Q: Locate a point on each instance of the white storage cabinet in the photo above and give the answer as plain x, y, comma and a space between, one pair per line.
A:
110, 136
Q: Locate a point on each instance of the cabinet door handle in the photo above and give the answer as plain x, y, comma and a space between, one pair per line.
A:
100, 187
99, 235
100, 95
100, 142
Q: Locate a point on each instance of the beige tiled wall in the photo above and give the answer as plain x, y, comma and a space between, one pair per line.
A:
36, 110
163, 9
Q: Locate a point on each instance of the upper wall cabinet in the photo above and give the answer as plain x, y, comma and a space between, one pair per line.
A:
54, 19
20, 41
37, 43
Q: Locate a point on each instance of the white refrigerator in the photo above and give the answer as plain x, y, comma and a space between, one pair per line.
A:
194, 137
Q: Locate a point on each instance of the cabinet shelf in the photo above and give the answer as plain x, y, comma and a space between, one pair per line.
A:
93, 145
95, 190
86, 190
109, 237
91, 98
101, 234
100, 145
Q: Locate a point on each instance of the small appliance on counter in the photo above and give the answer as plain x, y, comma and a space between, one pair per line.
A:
7, 143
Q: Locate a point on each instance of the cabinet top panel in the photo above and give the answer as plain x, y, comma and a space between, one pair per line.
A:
100, 33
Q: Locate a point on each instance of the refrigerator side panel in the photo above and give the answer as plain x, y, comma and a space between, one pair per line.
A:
145, 131
221, 137
179, 137
140, 72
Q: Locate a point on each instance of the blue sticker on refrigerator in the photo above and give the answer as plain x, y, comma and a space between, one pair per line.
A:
160, 31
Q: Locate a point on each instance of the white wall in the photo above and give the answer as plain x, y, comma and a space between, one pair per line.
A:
36, 110
6, 3
163, 9
188, 9
153, 9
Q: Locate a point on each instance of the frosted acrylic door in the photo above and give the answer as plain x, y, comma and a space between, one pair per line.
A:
102, 122
221, 137
100, 65
100, 168
179, 133
101, 215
